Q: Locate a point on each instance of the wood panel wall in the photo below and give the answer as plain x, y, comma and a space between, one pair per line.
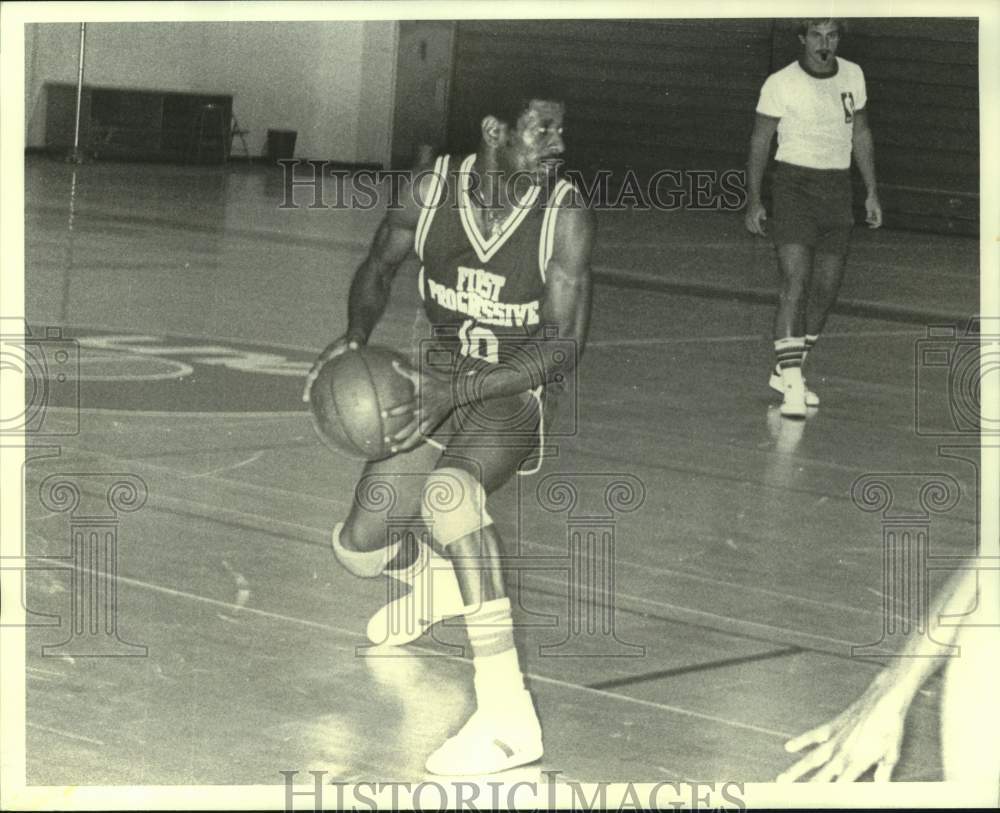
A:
646, 95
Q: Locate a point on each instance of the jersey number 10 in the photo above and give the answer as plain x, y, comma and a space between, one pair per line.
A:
479, 342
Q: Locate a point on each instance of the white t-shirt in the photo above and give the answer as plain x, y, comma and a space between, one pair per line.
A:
817, 114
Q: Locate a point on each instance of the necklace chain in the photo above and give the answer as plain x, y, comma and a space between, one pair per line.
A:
494, 219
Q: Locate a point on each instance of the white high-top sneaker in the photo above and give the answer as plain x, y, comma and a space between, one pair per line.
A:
794, 405
812, 399
433, 595
492, 740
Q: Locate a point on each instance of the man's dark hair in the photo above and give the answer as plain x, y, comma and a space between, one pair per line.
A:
510, 98
506, 97
803, 25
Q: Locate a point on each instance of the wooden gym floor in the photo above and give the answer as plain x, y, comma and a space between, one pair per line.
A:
741, 582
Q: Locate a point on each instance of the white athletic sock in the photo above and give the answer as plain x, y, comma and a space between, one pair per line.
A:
498, 671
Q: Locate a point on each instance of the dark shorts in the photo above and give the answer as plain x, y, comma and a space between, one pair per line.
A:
495, 439
811, 207
492, 444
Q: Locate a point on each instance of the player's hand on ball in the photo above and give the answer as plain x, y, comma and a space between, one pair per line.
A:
868, 732
873, 212
332, 350
432, 401
755, 217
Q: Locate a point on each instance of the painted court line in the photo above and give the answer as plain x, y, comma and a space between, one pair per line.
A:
66, 734
267, 524
674, 612
38, 669
180, 416
671, 612
749, 337
708, 666
592, 343
723, 623
737, 248
247, 462
245, 520
354, 634
782, 735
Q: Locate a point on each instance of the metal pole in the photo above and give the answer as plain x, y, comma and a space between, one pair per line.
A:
76, 156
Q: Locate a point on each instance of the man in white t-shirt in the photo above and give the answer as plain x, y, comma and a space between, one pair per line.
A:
818, 107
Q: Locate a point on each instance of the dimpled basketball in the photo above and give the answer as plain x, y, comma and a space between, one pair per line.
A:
348, 397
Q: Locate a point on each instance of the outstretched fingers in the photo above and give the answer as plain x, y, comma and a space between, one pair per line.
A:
813, 736
884, 769
411, 375
404, 408
809, 762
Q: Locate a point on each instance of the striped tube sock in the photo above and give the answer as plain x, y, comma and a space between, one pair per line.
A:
788, 352
498, 672
810, 340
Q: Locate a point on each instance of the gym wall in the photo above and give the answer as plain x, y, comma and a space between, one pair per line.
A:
329, 81
680, 94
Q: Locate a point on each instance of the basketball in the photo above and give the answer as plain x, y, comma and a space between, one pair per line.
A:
348, 397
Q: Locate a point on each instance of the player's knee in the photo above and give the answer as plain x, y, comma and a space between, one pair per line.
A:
825, 286
454, 505
362, 536
367, 559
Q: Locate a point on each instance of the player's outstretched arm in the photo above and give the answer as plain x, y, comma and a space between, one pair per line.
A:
864, 157
870, 730
372, 281
764, 128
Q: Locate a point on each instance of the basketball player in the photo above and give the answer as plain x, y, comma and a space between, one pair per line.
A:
505, 282
818, 107
869, 732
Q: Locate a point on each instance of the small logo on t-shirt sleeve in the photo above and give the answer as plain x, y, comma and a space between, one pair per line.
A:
847, 99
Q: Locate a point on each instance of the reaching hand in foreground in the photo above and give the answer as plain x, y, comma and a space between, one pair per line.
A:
870, 730
866, 733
